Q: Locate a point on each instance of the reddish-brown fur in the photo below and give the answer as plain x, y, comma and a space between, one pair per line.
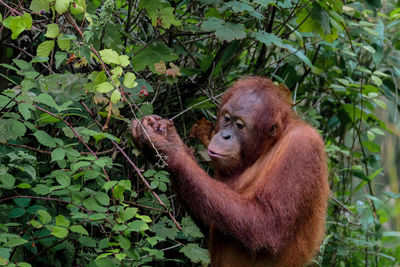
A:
270, 209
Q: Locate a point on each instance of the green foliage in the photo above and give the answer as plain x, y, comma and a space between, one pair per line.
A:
68, 196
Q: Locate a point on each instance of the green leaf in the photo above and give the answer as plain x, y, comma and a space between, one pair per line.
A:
60, 57
130, 80
123, 242
87, 241
18, 24
16, 213
78, 229
102, 198
138, 225
115, 96
128, 214
79, 7
24, 109
38, 5
152, 54
108, 185
52, 30
57, 154
44, 138
62, 221
189, 228
24, 186
17, 128
7, 180
124, 60
109, 56
120, 256
36, 224
22, 202
14, 242
267, 38
104, 87
62, 6
45, 48
165, 17
44, 216
59, 232
376, 80
64, 42
195, 253
41, 189
225, 31
91, 204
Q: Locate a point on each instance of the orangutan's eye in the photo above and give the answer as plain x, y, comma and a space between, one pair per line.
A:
239, 124
227, 118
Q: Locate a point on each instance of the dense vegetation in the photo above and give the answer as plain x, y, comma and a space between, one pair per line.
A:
74, 73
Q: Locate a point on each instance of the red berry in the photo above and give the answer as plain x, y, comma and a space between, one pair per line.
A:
146, 93
141, 91
144, 87
140, 96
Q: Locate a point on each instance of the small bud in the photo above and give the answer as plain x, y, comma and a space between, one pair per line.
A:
42, 12
144, 87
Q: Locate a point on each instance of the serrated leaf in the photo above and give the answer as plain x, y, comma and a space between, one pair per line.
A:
24, 109
138, 225
59, 232
62, 6
57, 154
7, 180
22, 202
153, 54
14, 242
108, 185
52, 30
104, 87
128, 214
62, 221
78, 229
63, 180
36, 224
130, 80
60, 57
45, 48
44, 216
44, 138
102, 198
41, 189
195, 253
267, 38
79, 7
63, 42
109, 56
91, 204
225, 31
120, 256
38, 5
115, 96
124, 60
87, 241
17, 128
16, 213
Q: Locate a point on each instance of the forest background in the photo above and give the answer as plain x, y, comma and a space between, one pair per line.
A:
74, 191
